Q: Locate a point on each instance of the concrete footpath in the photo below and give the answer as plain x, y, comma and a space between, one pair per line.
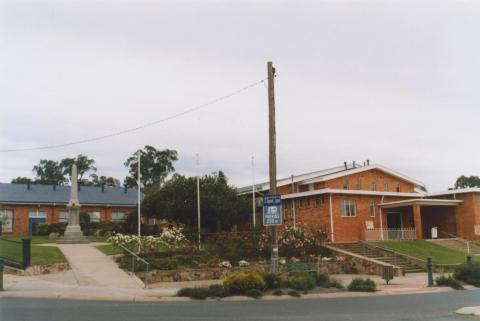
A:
95, 276
93, 268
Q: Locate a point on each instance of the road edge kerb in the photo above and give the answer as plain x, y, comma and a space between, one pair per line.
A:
154, 298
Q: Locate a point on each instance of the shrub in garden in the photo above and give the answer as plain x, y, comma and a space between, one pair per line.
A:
448, 281
294, 293
164, 263
218, 291
335, 284
254, 293
278, 292
322, 280
194, 293
240, 283
293, 242
468, 273
272, 280
46, 229
362, 285
302, 281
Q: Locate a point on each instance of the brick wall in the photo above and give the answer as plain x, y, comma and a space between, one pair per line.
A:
21, 214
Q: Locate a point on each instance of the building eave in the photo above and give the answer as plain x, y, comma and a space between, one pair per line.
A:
348, 192
421, 201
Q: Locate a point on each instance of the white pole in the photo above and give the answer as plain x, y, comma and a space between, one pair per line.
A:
139, 185
198, 204
293, 206
253, 193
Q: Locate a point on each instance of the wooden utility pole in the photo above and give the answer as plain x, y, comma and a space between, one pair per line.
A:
272, 156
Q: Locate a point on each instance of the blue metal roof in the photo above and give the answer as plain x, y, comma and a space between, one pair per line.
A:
19, 193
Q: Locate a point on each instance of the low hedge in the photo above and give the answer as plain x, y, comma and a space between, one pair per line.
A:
46, 229
240, 283
468, 273
448, 281
362, 285
302, 282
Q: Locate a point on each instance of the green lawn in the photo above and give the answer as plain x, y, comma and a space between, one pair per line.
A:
40, 254
422, 249
107, 249
35, 239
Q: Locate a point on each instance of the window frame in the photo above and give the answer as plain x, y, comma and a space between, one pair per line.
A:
358, 184
3, 213
373, 187
95, 220
385, 187
373, 209
60, 219
124, 215
347, 206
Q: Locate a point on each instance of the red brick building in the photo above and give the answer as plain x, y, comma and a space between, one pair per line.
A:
23, 206
371, 202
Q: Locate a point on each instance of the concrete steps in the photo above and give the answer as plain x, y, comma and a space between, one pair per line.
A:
458, 245
376, 254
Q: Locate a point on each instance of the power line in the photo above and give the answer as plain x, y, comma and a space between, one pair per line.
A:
130, 130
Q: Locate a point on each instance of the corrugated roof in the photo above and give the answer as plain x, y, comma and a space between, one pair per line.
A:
19, 193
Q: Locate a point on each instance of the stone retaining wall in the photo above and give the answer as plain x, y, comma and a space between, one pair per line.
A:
357, 264
217, 273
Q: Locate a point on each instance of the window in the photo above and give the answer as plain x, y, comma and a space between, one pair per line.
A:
319, 201
94, 216
63, 216
385, 187
372, 209
374, 187
349, 208
151, 221
285, 212
358, 184
37, 213
118, 216
6, 217
398, 188
345, 184
304, 202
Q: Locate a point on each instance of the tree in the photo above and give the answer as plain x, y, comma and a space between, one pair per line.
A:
156, 165
98, 181
221, 207
466, 182
48, 172
20, 180
84, 165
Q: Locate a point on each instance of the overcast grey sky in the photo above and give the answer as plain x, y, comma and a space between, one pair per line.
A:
395, 82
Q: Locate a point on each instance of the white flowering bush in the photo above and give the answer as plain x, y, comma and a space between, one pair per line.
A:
172, 238
225, 264
169, 239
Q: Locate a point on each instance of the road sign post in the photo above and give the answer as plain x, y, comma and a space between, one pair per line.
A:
272, 210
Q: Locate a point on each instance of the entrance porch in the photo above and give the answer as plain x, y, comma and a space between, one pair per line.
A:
414, 219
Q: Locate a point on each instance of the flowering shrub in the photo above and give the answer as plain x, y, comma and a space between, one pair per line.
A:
293, 242
169, 239
172, 238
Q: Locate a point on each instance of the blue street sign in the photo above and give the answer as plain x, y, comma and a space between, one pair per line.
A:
272, 210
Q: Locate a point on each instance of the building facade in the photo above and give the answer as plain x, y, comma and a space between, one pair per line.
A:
371, 202
24, 206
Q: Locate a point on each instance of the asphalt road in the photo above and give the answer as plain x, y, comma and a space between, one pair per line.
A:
440, 306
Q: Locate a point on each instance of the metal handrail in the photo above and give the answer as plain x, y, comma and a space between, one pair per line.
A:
138, 259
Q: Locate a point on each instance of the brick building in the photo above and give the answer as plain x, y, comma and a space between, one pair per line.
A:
23, 206
371, 202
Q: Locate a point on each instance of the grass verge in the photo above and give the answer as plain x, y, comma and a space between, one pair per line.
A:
421, 249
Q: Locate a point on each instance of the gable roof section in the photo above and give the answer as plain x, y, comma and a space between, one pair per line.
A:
364, 169
44, 194
331, 173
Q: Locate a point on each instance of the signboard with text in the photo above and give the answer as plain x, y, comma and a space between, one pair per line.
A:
272, 210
